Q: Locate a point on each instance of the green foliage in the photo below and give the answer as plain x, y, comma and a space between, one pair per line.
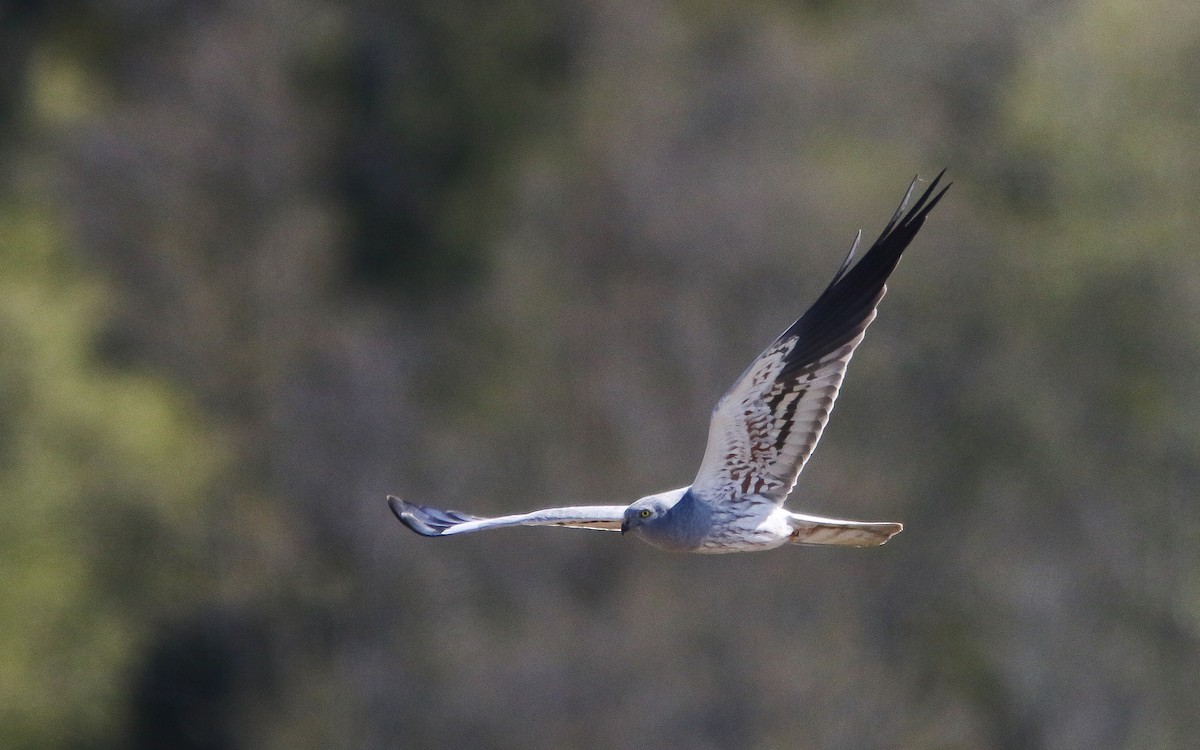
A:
103, 478
1105, 104
437, 123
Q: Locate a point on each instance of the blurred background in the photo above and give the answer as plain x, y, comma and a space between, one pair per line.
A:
266, 261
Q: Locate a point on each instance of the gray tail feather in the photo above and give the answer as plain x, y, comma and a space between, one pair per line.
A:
838, 532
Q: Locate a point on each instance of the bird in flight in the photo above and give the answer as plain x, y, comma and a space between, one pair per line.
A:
761, 434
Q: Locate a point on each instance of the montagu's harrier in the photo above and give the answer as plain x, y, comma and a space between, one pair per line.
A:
761, 434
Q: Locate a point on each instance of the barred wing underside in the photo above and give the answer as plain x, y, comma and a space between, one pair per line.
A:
766, 426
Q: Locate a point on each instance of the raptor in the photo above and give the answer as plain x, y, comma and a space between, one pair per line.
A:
762, 431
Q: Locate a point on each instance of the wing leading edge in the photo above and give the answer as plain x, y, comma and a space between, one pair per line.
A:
428, 521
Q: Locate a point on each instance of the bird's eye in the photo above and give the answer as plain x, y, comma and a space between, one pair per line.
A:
644, 513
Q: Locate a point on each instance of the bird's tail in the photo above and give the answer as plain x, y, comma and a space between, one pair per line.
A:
836, 531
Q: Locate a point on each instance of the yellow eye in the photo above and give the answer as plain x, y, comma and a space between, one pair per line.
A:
644, 513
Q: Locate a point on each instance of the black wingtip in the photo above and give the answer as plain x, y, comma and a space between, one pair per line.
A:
400, 511
397, 506
849, 259
840, 311
912, 219
424, 520
411, 515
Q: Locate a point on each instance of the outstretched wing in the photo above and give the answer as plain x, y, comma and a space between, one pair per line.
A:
428, 521
766, 426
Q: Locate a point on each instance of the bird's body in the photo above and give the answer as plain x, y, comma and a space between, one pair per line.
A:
762, 432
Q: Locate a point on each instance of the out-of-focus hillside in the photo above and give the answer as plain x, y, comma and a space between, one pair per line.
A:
268, 262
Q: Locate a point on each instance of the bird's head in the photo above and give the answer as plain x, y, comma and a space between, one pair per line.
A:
642, 512
648, 510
